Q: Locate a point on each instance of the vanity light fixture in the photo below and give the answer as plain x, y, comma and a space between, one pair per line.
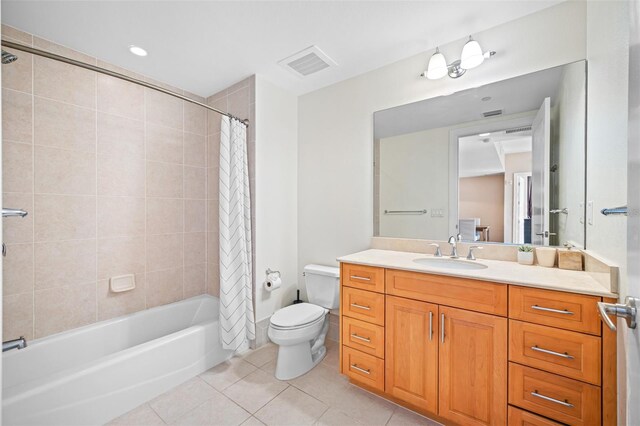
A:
471, 57
137, 50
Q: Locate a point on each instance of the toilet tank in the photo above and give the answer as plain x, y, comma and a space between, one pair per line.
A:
323, 285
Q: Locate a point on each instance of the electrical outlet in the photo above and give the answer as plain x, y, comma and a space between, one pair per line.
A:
437, 212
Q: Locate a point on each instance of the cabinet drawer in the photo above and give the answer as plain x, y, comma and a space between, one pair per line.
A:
567, 353
565, 400
570, 311
364, 336
363, 305
363, 277
518, 417
474, 295
363, 368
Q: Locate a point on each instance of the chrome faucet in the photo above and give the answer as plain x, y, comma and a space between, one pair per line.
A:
471, 256
19, 343
438, 253
454, 246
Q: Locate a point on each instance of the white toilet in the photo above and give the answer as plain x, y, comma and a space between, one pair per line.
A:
299, 330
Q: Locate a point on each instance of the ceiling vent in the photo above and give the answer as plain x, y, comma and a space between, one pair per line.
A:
308, 61
518, 130
492, 113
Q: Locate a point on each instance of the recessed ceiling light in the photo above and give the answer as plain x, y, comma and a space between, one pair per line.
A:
484, 135
138, 51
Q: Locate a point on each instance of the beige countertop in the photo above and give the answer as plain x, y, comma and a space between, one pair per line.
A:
496, 271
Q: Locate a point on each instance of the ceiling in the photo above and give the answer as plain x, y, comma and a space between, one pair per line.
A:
205, 46
485, 155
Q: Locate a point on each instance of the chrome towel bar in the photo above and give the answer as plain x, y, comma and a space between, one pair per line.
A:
424, 211
614, 210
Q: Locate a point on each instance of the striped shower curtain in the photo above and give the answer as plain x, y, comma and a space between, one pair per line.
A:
237, 321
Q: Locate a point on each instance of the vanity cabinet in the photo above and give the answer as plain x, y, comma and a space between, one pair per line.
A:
472, 352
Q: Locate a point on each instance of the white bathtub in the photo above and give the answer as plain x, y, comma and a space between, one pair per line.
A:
93, 374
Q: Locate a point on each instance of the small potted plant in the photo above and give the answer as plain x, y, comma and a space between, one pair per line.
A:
525, 255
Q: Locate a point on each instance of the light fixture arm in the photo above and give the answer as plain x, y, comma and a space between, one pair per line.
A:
472, 56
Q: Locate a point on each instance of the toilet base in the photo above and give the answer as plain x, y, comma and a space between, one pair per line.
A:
295, 360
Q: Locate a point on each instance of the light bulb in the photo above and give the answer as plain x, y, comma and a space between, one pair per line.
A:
437, 66
471, 55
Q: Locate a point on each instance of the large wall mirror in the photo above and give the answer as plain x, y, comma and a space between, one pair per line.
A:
501, 163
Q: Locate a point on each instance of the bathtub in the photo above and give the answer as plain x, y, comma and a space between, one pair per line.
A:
93, 374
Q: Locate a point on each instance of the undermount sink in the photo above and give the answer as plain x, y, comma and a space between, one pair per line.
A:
439, 262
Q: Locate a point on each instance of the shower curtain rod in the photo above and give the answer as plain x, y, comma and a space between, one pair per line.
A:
49, 55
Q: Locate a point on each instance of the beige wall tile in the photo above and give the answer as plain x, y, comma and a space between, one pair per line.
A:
18, 75
121, 256
239, 102
213, 279
194, 280
17, 118
116, 96
164, 251
64, 263
60, 171
61, 125
121, 175
64, 308
64, 217
17, 316
164, 144
120, 217
213, 215
17, 167
213, 176
195, 248
111, 305
63, 82
195, 152
164, 180
17, 35
164, 287
58, 49
18, 229
120, 136
214, 119
213, 150
195, 119
163, 109
17, 270
195, 215
165, 215
195, 183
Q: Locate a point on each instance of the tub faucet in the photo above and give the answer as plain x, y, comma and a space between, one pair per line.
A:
19, 343
454, 246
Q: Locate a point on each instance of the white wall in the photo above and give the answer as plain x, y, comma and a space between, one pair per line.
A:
276, 194
335, 158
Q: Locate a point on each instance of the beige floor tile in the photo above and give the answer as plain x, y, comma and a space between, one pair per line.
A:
255, 390
174, 404
140, 416
404, 417
334, 417
332, 358
269, 367
252, 421
291, 407
218, 410
262, 355
227, 373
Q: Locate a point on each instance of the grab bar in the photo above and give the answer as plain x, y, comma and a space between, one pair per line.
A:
424, 211
614, 210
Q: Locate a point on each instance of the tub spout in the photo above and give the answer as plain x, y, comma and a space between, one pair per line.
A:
19, 343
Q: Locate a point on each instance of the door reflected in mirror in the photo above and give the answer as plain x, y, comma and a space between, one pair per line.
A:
501, 163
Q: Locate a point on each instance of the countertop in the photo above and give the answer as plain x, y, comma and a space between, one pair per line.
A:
496, 271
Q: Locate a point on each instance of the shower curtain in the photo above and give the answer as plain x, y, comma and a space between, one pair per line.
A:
237, 321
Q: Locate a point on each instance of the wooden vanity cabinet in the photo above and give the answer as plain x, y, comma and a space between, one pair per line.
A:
470, 352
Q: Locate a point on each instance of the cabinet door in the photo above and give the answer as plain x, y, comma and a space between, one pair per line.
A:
411, 363
473, 367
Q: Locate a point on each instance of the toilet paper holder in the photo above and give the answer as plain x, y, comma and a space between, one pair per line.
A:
269, 272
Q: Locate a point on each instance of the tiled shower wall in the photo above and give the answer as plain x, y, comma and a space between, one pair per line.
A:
114, 177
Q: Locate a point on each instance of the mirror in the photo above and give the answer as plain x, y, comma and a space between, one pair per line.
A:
502, 163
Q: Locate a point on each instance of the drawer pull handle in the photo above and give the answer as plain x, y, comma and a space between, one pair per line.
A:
442, 328
555, 311
366, 308
548, 398
364, 339
430, 326
547, 351
362, 370
357, 277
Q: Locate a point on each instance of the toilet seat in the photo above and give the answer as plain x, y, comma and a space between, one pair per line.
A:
297, 316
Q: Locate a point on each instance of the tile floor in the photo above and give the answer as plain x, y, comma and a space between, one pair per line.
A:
243, 391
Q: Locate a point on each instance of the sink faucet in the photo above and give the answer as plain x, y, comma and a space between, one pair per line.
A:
471, 256
19, 343
454, 246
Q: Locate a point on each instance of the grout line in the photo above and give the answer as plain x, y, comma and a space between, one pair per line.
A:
95, 145
33, 196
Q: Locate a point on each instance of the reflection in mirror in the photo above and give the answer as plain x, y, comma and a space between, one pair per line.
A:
501, 163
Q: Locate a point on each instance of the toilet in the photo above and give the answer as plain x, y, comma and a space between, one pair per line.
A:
300, 330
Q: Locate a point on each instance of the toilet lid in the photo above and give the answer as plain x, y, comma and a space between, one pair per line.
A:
297, 315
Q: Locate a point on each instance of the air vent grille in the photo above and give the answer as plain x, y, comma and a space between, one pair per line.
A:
308, 61
518, 129
492, 113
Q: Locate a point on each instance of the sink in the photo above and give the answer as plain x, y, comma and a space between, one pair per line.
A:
439, 262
